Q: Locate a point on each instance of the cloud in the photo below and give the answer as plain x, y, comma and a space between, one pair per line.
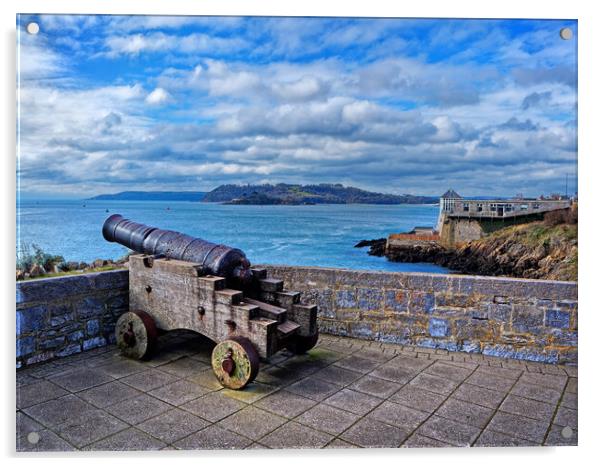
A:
389, 105
157, 97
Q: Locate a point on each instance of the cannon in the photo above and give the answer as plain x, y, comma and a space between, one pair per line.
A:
177, 281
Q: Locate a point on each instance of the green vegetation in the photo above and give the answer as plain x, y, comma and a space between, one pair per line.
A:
31, 255
106, 268
293, 194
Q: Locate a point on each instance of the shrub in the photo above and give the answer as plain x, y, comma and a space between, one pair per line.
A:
558, 217
32, 254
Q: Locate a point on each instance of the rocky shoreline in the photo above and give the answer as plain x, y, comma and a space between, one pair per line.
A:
525, 251
50, 268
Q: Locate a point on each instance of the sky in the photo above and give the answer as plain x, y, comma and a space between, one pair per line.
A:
167, 103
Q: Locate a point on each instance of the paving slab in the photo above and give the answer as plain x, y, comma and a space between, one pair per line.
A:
38, 392
529, 408
398, 415
149, 379
354, 402
446, 430
465, 413
490, 438
127, 440
252, 422
418, 398
285, 404
179, 392
313, 388
77, 380
327, 419
420, 441
519, 426
108, 394
214, 406
375, 386
90, 427
370, 433
479, 395
173, 425
138, 409
295, 435
213, 438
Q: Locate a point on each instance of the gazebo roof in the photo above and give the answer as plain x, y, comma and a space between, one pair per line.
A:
451, 194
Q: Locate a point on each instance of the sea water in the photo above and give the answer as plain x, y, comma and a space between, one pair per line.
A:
313, 235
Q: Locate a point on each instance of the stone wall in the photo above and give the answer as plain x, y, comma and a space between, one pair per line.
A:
60, 316
524, 319
459, 230
533, 320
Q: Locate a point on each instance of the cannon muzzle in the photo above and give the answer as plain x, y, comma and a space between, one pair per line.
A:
215, 259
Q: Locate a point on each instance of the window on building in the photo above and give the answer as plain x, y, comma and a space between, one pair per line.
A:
479, 207
492, 207
536, 206
465, 207
524, 207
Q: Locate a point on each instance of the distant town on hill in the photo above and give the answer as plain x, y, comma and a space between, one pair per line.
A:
296, 194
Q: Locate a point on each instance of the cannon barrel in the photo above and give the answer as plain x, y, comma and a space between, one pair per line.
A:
215, 259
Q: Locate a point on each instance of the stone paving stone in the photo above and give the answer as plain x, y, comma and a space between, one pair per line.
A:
324, 355
122, 368
571, 386
295, 435
285, 404
529, 408
398, 415
138, 409
127, 440
370, 433
80, 379
519, 426
555, 382
465, 413
397, 374
252, 422
213, 438
375, 354
337, 375
178, 393
375, 386
536, 392
449, 431
108, 394
312, 388
38, 392
357, 364
173, 425
555, 436
55, 412
508, 373
327, 418
490, 438
92, 426
149, 379
457, 374
48, 441
571, 371
355, 402
479, 395
278, 376
207, 379
24, 379
257, 446
569, 400
566, 417
485, 380
184, 367
417, 365
434, 384
420, 441
251, 393
338, 443
417, 398
213, 407
26, 425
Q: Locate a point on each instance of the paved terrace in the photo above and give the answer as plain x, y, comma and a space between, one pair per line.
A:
345, 393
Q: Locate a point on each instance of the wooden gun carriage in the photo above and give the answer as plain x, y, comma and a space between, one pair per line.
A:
214, 292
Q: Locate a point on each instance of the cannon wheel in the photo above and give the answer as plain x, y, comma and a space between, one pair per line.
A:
136, 334
300, 344
235, 362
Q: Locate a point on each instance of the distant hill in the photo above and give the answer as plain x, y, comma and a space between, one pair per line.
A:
294, 194
193, 196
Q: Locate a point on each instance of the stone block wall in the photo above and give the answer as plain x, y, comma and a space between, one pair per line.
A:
523, 319
60, 316
533, 320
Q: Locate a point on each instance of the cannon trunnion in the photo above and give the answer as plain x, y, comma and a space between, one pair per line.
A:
253, 322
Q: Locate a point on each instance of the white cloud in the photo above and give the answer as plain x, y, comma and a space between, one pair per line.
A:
158, 96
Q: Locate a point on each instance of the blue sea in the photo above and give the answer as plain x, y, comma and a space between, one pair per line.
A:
314, 235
